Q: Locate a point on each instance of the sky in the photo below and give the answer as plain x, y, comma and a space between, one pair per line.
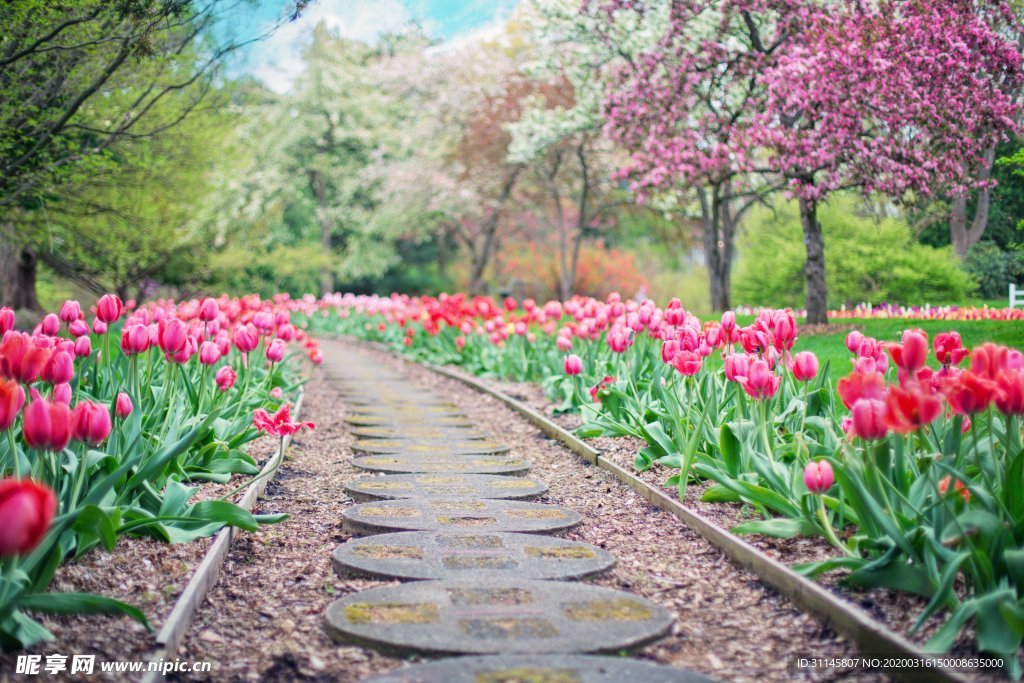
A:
277, 60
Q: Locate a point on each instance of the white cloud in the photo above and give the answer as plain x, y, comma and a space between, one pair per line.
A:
277, 61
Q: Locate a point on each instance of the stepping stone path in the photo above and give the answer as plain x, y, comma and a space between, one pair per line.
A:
444, 486
473, 554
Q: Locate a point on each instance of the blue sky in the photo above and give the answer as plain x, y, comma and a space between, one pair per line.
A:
276, 61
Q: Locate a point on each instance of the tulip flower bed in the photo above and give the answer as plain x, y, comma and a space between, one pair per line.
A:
910, 467
112, 426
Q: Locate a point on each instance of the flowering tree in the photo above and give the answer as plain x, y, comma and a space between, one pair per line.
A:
684, 106
890, 97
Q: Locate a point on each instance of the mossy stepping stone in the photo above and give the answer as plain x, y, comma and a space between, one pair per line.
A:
430, 446
417, 431
484, 616
443, 486
457, 514
451, 555
540, 669
464, 464
367, 419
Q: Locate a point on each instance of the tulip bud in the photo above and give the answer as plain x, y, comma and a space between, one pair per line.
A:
573, 365
78, 328
83, 347
109, 308
225, 378
99, 327
209, 353
134, 339
70, 311
171, 335
246, 338
869, 418
854, 340
46, 425
208, 310
26, 508
818, 476
62, 394
60, 369
123, 407
805, 366
286, 332
50, 325
6, 319
275, 351
90, 422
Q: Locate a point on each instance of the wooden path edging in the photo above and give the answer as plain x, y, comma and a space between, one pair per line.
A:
179, 621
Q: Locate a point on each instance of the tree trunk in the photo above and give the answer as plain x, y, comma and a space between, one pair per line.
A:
814, 267
18, 277
317, 185
961, 236
717, 230
480, 256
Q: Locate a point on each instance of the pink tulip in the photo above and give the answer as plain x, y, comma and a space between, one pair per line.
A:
123, 407
208, 309
209, 353
187, 351
6, 319
805, 366
46, 425
225, 378
99, 327
90, 422
134, 339
854, 340
286, 332
869, 418
247, 338
669, 350
760, 381
50, 325
83, 347
275, 351
78, 328
60, 369
109, 308
172, 335
688, 363
62, 394
70, 311
818, 476
573, 365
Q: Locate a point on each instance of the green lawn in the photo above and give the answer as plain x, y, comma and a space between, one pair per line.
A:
832, 347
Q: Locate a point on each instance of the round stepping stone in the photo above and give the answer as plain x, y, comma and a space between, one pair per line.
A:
540, 669
409, 431
362, 418
443, 486
404, 412
483, 616
450, 555
405, 402
429, 447
456, 514
483, 464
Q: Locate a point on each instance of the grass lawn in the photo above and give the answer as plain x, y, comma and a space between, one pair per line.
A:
832, 347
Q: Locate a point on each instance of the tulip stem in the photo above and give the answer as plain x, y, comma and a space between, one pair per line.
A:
14, 453
826, 527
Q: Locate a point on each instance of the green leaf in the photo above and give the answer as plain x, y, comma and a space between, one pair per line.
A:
731, 448
778, 528
223, 511
80, 603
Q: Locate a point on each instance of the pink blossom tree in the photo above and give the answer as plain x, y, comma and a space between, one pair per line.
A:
888, 97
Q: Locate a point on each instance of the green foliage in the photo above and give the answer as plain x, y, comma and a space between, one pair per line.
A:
994, 268
867, 260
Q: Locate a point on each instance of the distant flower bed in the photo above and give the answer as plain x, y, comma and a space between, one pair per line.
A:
868, 311
110, 420
911, 471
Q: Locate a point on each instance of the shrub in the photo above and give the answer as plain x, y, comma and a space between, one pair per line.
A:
994, 268
533, 271
866, 260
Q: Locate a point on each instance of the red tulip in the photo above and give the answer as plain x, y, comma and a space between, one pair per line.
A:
60, 369
22, 357
275, 351
109, 308
123, 407
573, 365
958, 488
869, 418
969, 393
208, 309
805, 366
1010, 392
26, 510
818, 476
46, 425
278, 424
12, 398
90, 422
989, 359
858, 385
225, 378
911, 407
70, 311
949, 348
